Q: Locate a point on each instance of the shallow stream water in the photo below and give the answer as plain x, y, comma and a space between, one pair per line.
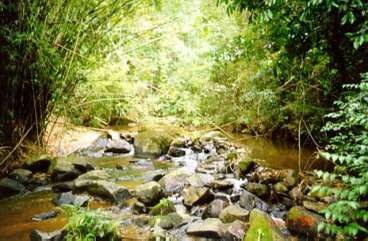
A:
16, 212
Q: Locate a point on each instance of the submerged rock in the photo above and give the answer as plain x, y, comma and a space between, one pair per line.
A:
154, 175
263, 228
301, 221
45, 216
94, 175
250, 201
9, 187
196, 195
209, 228
104, 189
149, 193
232, 213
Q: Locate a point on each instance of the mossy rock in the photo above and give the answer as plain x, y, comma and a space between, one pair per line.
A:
164, 207
40, 163
153, 141
301, 221
262, 228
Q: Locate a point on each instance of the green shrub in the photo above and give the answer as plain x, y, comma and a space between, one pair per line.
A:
348, 149
89, 225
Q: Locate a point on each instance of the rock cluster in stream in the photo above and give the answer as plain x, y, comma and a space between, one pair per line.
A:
216, 192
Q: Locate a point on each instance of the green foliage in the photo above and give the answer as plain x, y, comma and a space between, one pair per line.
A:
43, 44
159, 67
316, 47
338, 28
89, 225
264, 90
348, 149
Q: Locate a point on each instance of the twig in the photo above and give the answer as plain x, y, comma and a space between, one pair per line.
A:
16, 147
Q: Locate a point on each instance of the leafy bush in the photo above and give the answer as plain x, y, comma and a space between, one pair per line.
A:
348, 149
89, 225
318, 47
264, 90
43, 44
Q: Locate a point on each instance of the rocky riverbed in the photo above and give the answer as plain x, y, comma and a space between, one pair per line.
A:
163, 185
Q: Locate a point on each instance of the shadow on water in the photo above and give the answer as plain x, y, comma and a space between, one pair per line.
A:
280, 155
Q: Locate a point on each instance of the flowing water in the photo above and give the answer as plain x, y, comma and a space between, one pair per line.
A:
16, 212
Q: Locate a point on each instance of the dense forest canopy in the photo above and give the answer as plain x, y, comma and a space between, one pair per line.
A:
293, 71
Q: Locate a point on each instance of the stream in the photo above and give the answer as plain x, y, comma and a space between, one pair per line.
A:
129, 171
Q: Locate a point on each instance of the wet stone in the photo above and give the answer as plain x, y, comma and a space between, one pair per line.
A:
45, 216
301, 221
21, 175
209, 228
9, 187
176, 151
68, 198
260, 222
104, 189
257, 188
200, 180
149, 193
250, 201
235, 231
170, 221
214, 209
222, 184
40, 164
37, 235
196, 195
232, 213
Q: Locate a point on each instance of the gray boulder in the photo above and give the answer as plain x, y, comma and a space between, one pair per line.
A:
174, 181
104, 189
37, 235
21, 175
68, 198
209, 228
154, 141
249, 201
9, 187
257, 188
196, 195
232, 213
149, 193
235, 231
214, 209
63, 170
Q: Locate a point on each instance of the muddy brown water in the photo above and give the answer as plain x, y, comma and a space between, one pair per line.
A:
16, 212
